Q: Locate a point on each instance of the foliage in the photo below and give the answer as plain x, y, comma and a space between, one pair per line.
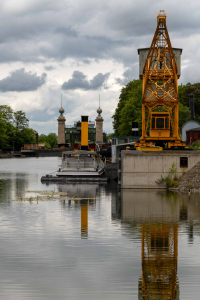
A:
50, 140
195, 145
14, 131
171, 178
128, 108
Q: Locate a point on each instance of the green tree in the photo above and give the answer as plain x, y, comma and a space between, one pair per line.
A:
42, 138
52, 140
22, 133
184, 91
7, 130
14, 129
128, 109
19, 120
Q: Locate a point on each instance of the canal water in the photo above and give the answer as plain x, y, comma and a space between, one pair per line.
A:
90, 241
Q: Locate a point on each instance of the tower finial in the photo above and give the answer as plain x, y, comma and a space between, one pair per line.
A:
61, 110
99, 100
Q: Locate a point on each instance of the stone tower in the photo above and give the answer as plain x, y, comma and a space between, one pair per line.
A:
99, 126
61, 128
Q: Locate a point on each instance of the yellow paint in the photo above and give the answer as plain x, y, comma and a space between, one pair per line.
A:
84, 220
84, 133
144, 148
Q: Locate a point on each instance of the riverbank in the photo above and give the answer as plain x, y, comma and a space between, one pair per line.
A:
6, 155
189, 181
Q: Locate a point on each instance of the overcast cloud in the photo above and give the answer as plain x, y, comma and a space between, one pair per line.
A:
86, 48
22, 81
79, 81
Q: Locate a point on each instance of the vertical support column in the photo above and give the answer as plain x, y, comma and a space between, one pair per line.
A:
143, 122
176, 122
84, 132
134, 128
61, 131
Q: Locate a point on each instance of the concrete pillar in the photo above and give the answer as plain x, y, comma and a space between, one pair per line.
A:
61, 128
99, 127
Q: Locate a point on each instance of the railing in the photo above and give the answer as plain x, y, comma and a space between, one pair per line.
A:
77, 165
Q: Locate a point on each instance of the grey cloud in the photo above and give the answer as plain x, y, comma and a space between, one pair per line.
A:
128, 75
20, 81
49, 68
59, 30
67, 31
80, 81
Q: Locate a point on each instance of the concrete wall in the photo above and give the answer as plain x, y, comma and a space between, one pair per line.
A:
142, 169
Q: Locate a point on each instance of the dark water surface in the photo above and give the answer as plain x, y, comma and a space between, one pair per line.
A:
100, 244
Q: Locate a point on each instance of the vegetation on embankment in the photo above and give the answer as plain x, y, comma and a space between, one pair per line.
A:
189, 181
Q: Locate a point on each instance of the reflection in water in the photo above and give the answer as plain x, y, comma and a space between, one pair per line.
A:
84, 218
140, 245
157, 216
83, 196
159, 262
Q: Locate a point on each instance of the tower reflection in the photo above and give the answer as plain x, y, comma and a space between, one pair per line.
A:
81, 197
84, 218
159, 262
156, 217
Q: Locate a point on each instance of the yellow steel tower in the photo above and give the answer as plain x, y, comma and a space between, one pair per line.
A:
160, 91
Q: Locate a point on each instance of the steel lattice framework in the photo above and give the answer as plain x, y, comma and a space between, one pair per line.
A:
160, 89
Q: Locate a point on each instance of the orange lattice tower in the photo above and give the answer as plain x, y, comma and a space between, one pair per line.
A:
160, 113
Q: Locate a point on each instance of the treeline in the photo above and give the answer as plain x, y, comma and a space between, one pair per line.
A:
15, 131
129, 107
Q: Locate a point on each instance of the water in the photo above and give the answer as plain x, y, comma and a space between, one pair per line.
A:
94, 242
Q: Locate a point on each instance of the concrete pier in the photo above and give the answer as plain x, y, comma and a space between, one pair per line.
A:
140, 169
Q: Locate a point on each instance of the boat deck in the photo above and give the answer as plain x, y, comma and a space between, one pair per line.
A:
74, 178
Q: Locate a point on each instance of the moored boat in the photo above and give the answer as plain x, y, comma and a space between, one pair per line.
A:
81, 163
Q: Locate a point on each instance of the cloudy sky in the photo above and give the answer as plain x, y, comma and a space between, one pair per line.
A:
82, 49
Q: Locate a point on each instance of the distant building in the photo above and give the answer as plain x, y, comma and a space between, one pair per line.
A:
189, 125
73, 133
192, 135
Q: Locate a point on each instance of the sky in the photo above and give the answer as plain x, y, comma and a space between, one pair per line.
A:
83, 49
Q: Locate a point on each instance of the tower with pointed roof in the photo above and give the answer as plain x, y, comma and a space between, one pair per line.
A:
99, 126
61, 127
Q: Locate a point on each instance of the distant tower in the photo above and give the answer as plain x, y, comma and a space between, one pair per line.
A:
99, 125
61, 127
